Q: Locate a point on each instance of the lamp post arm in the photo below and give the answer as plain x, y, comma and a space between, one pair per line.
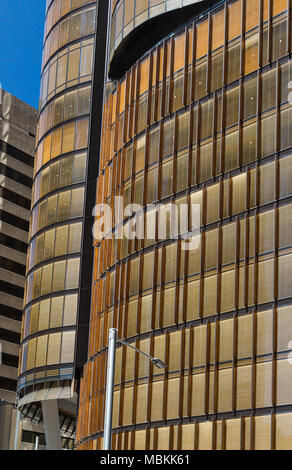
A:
151, 358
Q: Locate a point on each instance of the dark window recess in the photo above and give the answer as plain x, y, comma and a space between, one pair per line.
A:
30, 437
10, 265
14, 221
15, 198
9, 336
67, 443
15, 175
9, 360
16, 153
11, 289
10, 312
13, 243
8, 384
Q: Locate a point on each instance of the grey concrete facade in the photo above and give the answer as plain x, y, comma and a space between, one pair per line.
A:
17, 142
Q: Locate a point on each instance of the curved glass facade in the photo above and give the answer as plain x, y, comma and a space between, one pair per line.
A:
203, 118
48, 341
129, 14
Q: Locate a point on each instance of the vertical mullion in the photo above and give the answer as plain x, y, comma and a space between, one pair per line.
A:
234, 362
288, 44
155, 443
223, 120
154, 288
150, 381
256, 258
193, 67
118, 93
121, 300
208, 81
174, 151
246, 261
225, 46
260, 44
165, 386
133, 439
273, 430
242, 39
140, 293
185, 277
190, 373
196, 443
126, 112
274, 357
156, 86
116, 296
197, 166
237, 264
137, 100
258, 115
240, 123
207, 367
136, 376
278, 107
242, 433
202, 269
270, 14
186, 67
214, 434
171, 437
218, 270
147, 446
171, 73
214, 133
97, 395
177, 282
162, 278
190, 145
132, 104
149, 101
179, 436
254, 360
122, 385
161, 132
182, 374
163, 82
127, 288
252, 432
216, 364
223, 436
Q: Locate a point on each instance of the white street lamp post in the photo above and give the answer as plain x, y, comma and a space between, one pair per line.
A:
112, 346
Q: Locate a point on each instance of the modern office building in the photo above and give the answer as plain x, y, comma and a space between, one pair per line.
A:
58, 282
17, 142
196, 111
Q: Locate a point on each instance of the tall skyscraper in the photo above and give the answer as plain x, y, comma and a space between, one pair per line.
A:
58, 283
198, 113
193, 97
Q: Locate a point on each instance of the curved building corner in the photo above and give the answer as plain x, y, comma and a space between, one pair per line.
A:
202, 117
58, 279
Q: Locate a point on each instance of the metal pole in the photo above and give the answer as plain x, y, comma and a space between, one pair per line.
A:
111, 359
17, 425
36, 443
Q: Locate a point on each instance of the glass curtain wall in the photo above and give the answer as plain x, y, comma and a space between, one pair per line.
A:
203, 118
56, 227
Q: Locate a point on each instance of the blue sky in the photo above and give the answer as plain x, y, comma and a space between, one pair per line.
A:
21, 36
